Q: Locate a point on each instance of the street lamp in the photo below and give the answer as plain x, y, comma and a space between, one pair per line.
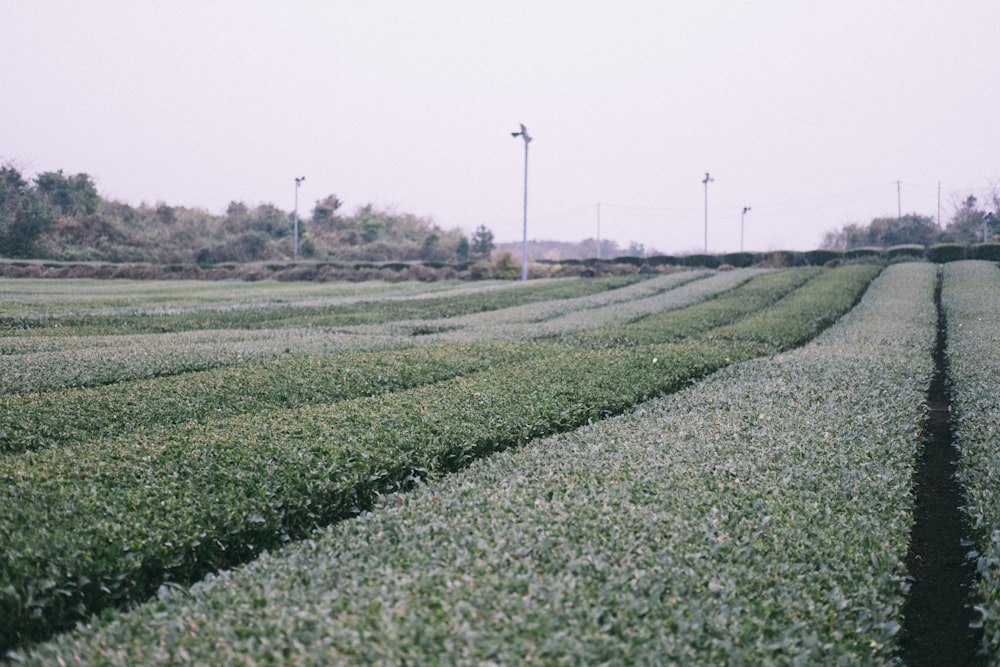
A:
742, 215
295, 215
524, 244
708, 179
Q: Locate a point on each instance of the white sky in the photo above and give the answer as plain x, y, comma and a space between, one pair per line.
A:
809, 112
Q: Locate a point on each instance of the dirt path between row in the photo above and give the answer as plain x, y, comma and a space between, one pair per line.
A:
938, 613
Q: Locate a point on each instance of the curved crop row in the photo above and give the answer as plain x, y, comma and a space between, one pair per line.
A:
758, 517
292, 315
759, 292
172, 503
971, 300
55, 418
100, 524
66, 360
804, 312
605, 315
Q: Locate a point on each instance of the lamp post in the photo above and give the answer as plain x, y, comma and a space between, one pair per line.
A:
708, 179
742, 216
295, 215
524, 243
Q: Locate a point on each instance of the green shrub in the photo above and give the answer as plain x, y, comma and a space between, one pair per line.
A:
113, 519
985, 251
664, 260
57, 418
739, 259
760, 292
863, 253
902, 252
696, 261
971, 301
822, 257
941, 253
760, 517
804, 312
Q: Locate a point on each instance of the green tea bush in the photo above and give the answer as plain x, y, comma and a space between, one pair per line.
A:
985, 251
804, 312
106, 522
759, 517
946, 252
971, 300
746, 297
560, 319
905, 252
55, 418
822, 257
739, 259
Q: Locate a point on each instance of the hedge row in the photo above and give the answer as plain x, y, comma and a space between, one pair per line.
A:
272, 315
971, 300
104, 523
759, 517
56, 418
758, 293
559, 323
804, 312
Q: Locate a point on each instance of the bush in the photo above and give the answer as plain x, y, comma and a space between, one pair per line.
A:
985, 251
629, 259
696, 261
822, 257
863, 253
664, 260
946, 252
904, 252
740, 260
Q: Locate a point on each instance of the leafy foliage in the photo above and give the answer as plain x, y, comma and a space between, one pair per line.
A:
972, 307
99, 522
747, 297
758, 517
24, 215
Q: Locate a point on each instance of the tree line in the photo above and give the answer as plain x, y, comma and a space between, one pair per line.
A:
63, 217
972, 222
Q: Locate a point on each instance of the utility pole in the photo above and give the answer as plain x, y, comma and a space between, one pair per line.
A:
899, 201
598, 230
939, 204
524, 244
743, 215
708, 179
295, 215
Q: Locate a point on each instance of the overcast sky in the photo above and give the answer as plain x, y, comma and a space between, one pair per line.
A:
814, 114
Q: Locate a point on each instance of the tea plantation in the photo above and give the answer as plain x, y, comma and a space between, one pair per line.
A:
695, 468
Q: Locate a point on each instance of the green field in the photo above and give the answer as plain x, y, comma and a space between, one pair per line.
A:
695, 468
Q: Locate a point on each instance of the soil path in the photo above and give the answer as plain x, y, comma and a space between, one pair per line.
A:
936, 629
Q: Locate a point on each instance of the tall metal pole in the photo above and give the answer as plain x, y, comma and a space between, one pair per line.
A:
742, 216
295, 215
939, 205
708, 179
524, 229
524, 243
598, 230
899, 200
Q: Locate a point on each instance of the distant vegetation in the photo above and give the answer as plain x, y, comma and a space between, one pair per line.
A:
56, 217
61, 217
970, 223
